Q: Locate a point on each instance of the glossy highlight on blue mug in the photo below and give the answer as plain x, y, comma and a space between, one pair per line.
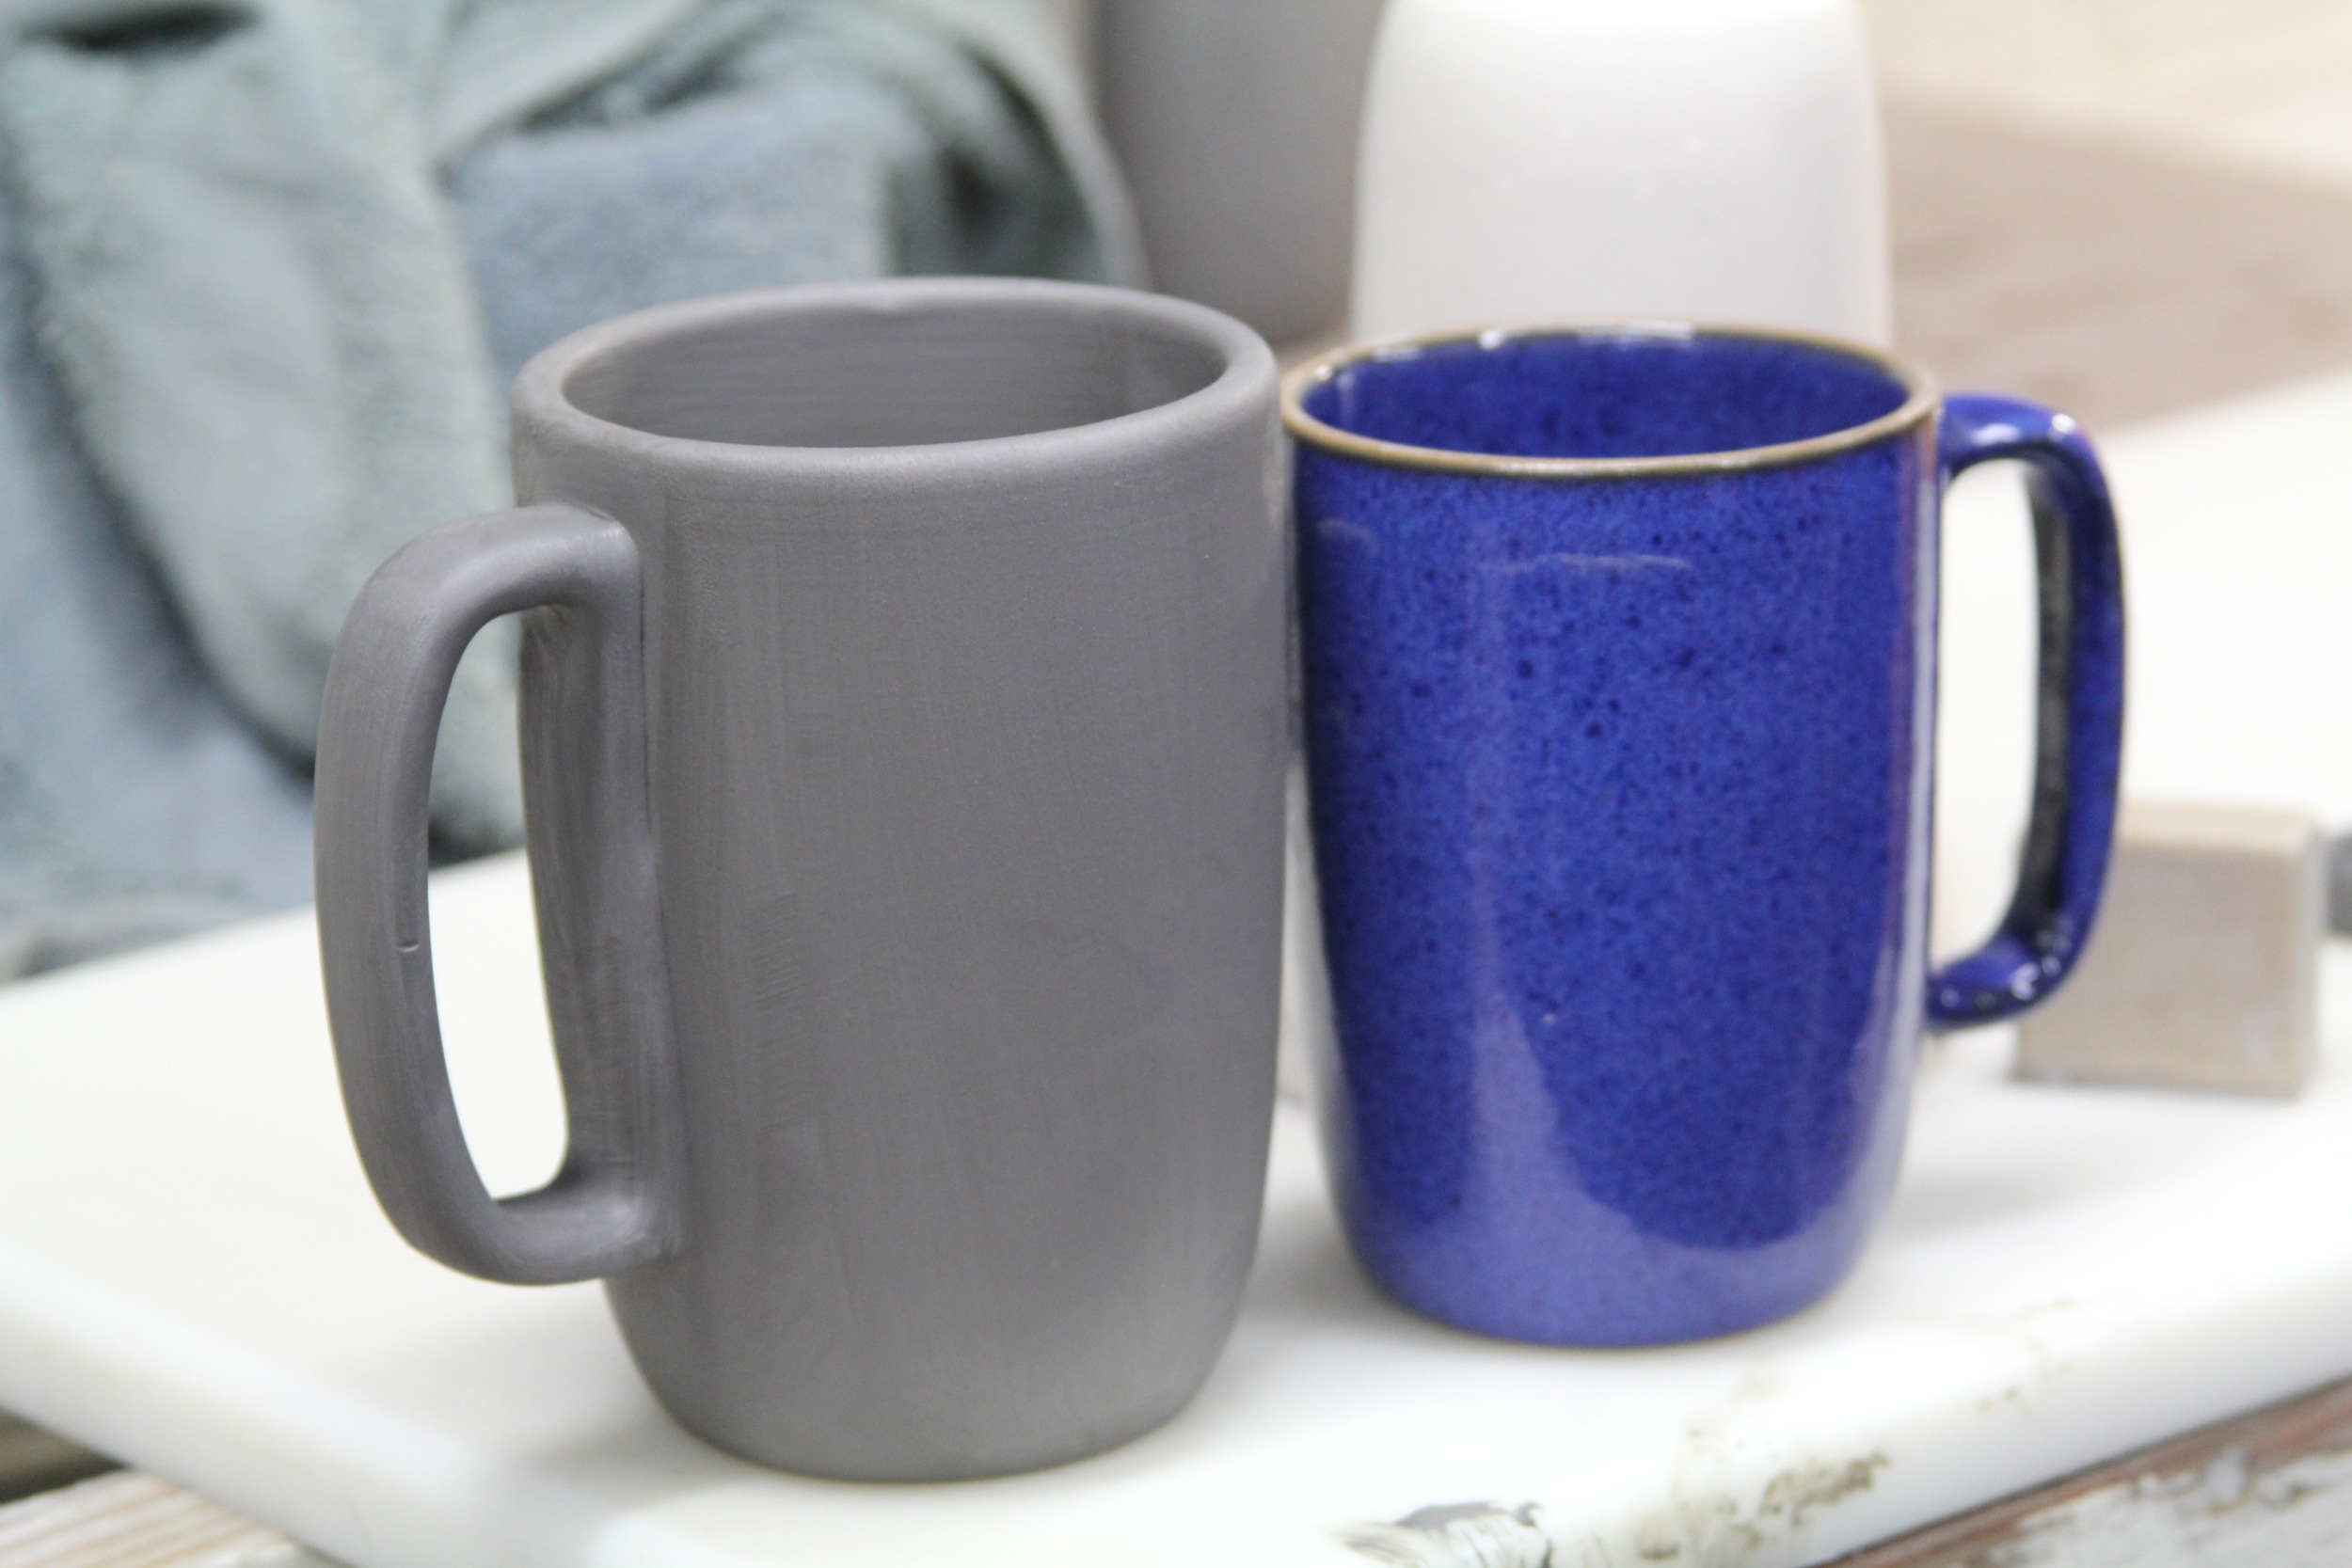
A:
1619, 658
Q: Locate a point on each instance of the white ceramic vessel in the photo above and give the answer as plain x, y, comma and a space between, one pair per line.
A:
1530, 160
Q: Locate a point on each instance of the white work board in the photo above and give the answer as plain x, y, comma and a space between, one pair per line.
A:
193, 1276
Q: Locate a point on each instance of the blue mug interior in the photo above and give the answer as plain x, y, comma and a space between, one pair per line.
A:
1610, 393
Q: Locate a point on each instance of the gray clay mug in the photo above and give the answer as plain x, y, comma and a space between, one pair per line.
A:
904, 744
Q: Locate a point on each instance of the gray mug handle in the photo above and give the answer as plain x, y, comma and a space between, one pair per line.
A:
616, 1202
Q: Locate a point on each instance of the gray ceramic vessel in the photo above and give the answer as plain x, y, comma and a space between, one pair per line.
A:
1236, 122
903, 739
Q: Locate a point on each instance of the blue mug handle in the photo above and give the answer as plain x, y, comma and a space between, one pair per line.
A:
2078, 711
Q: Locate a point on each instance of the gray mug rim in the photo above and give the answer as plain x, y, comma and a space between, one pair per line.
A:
542, 407
1921, 401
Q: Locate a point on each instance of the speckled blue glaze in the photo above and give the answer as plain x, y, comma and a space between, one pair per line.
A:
1620, 784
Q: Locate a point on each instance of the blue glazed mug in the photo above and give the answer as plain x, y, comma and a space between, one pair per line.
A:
1619, 660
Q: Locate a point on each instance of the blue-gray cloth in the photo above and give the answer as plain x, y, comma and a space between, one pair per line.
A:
264, 267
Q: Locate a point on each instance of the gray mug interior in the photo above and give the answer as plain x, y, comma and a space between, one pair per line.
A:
843, 373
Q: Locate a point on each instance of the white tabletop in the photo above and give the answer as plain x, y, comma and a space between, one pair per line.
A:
193, 1276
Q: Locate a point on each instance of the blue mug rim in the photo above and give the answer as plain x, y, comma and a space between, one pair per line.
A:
1921, 400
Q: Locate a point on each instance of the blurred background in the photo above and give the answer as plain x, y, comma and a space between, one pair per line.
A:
267, 265
2121, 207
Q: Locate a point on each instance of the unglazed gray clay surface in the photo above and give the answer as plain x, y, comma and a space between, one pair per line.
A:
912, 943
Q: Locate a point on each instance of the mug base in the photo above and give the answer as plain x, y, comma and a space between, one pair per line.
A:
1632, 1294
882, 1428
931, 1465
1680, 1326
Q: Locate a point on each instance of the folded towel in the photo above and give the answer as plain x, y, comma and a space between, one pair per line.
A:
281, 255
766, 141
133, 803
